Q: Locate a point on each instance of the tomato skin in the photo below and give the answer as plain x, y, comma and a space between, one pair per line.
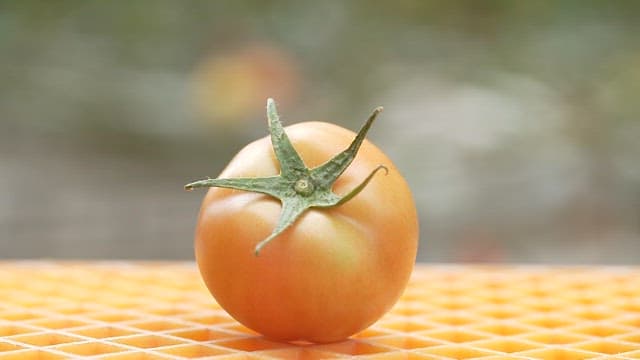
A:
335, 271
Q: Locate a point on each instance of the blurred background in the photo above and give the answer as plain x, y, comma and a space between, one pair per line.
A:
516, 123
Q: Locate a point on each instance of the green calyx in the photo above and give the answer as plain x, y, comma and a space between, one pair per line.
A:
297, 187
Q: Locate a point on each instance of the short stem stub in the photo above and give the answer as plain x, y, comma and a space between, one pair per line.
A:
312, 187
304, 187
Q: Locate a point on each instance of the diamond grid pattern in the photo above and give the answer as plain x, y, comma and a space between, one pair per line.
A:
138, 310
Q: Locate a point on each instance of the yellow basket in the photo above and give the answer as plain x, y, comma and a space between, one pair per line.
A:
134, 310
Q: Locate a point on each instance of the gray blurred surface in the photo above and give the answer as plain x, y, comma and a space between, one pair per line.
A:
515, 123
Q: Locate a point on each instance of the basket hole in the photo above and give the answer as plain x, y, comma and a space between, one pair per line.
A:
505, 345
147, 341
554, 338
557, 354
102, 332
201, 334
251, 344
86, 349
407, 342
353, 347
456, 352
193, 351
454, 336
45, 339
609, 347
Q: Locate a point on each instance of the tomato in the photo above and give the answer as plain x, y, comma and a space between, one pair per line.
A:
331, 273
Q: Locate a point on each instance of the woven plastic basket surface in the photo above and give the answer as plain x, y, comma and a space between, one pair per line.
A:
122, 310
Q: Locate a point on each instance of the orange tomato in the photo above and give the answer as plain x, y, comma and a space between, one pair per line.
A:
336, 270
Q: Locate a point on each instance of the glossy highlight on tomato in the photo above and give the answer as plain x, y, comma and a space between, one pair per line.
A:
329, 273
